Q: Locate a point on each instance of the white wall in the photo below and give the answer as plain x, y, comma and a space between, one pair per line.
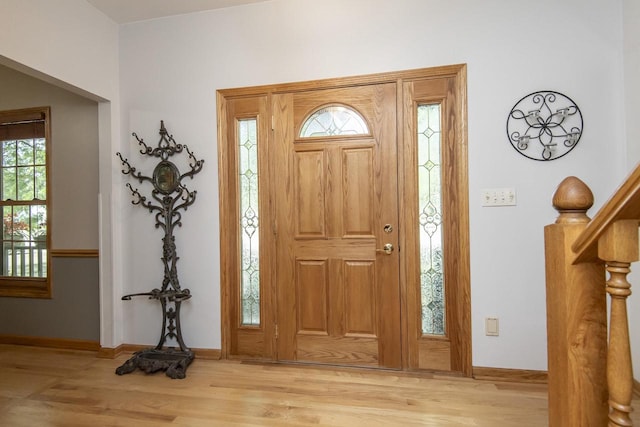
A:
631, 81
66, 40
71, 44
631, 14
171, 68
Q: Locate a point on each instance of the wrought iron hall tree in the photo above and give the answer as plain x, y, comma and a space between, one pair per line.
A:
169, 196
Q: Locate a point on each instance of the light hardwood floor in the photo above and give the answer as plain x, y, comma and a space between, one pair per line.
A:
46, 387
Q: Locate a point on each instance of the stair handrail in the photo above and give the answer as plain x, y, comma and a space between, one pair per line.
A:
578, 251
622, 205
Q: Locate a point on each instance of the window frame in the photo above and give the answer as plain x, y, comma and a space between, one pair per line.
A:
32, 287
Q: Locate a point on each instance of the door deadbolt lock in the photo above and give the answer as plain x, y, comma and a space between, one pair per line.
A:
388, 228
387, 249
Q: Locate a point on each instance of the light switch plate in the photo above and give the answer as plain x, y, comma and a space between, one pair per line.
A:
498, 197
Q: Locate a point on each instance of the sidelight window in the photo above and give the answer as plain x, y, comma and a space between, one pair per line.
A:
430, 220
249, 226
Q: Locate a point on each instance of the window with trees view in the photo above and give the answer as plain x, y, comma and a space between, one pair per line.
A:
24, 261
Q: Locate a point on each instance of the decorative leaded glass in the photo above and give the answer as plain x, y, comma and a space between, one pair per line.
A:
430, 220
249, 231
334, 120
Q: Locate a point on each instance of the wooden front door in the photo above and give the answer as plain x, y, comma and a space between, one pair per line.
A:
308, 203
336, 205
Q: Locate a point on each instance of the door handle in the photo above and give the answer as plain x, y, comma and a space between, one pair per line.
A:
387, 249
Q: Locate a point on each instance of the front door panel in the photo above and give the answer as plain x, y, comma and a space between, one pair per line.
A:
338, 298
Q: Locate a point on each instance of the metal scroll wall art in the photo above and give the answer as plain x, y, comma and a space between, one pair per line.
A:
169, 197
544, 125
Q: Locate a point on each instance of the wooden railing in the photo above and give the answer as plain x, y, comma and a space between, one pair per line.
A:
590, 380
24, 261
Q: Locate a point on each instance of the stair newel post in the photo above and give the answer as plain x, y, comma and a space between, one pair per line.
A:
576, 317
618, 247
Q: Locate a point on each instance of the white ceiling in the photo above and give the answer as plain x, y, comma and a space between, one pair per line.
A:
123, 11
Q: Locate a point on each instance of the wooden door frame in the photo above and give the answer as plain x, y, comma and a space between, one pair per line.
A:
455, 177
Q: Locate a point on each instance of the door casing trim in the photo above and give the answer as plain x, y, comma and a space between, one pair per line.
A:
458, 272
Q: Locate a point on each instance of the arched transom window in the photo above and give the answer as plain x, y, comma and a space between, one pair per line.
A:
333, 120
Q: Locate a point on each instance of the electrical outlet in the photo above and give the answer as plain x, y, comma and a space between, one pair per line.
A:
498, 197
491, 327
